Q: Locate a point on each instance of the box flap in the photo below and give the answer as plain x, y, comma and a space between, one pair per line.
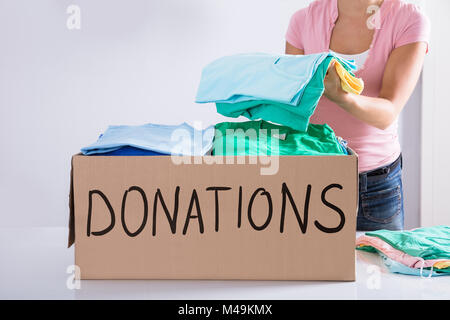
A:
71, 239
353, 153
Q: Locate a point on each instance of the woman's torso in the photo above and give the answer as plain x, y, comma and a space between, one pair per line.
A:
375, 147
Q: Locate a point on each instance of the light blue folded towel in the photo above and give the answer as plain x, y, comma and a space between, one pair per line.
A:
166, 139
284, 89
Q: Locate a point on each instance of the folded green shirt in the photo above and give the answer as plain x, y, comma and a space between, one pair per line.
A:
294, 116
254, 138
427, 243
284, 89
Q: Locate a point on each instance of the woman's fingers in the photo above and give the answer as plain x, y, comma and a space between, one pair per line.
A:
333, 75
332, 83
331, 66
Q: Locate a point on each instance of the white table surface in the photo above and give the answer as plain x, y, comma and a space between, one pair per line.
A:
34, 262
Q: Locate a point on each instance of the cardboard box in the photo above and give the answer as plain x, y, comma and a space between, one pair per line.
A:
149, 218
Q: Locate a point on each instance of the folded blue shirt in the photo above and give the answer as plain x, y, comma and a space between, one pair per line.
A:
397, 267
131, 151
153, 139
281, 88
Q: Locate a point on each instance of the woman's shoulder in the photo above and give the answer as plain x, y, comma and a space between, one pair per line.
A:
316, 9
402, 11
408, 22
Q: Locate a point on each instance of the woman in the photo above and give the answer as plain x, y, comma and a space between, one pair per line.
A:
388, 40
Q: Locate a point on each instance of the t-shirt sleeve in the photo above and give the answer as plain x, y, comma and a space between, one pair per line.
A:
415, 27
296, 26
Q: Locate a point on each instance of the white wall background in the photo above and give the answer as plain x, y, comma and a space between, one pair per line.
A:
132, 62
436, 114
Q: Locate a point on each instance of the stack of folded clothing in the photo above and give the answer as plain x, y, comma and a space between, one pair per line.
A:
152, 140
284, 89
421, 252
254, 138
226, 139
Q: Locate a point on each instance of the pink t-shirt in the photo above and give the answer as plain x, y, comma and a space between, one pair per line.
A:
399, 24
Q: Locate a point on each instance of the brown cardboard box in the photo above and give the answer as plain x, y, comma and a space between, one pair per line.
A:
222, 221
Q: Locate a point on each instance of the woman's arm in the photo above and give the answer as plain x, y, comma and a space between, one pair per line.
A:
290, 49
400, 78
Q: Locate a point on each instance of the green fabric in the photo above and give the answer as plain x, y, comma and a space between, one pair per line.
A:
427, 243
367, 248
374, 250
249, 140
445, 270
296, 117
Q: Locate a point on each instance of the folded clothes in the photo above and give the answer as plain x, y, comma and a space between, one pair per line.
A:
374, 244
263, 138
284, 89
343, 144
153, 138
426, 243
131, 151
397, 267
411, 252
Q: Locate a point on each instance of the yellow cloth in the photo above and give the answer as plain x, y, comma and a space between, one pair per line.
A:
349, 83
442, 264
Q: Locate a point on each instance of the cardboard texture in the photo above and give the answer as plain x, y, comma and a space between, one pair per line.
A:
148, 218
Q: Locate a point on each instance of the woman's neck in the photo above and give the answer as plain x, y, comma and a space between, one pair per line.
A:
357, 7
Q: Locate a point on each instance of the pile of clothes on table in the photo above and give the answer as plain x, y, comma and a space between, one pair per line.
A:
420, 252
278, 92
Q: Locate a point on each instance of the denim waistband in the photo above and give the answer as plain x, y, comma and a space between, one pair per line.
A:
379, 173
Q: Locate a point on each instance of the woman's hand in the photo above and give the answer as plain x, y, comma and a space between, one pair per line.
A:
400, 77
333, 88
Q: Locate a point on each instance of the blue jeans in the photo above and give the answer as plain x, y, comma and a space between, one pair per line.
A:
381, 199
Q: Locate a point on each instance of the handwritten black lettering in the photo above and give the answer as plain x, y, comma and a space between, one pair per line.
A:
335, 208
111, 212
216, 196
144, 219
302, 223
270, 211
194, 199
